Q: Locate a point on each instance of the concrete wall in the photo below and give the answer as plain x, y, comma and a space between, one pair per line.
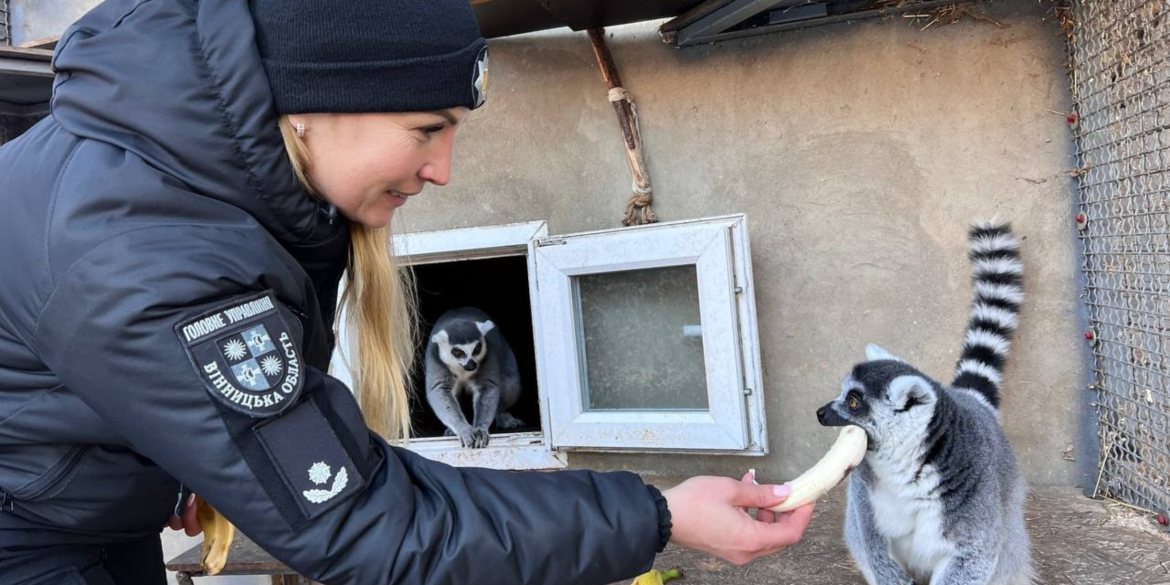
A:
859, 153
37, 19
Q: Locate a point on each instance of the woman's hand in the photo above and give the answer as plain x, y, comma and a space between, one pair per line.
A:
710, 514
189, 522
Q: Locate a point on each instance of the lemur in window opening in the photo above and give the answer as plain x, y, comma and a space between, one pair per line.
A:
467, 353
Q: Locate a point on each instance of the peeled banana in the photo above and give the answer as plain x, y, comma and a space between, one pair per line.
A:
217, 537
845, 454
656, 577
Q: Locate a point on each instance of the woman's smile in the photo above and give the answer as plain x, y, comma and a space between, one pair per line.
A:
397, 199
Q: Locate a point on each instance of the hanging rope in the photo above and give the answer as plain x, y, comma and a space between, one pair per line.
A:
638, 211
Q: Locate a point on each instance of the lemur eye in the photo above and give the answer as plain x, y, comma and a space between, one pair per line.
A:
477, 348
457, 353
852, 402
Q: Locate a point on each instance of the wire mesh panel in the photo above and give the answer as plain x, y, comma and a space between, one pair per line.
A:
5, 24
1121, 87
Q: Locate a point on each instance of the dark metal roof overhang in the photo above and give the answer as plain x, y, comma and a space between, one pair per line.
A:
26, 80
692, 21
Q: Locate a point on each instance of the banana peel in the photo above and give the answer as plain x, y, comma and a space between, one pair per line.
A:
657, 577
217, 537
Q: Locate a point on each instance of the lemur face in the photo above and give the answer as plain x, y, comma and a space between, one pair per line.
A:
884, 395
463, 353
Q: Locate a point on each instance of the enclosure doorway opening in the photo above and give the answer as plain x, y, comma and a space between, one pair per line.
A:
498, 287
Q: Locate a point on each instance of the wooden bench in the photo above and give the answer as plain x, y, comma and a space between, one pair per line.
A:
244, 558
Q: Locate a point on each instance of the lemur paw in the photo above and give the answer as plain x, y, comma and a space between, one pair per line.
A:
474, 438
479, 438
507, 421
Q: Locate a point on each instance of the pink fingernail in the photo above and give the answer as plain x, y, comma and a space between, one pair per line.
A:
190, 500
782, 491
753, 472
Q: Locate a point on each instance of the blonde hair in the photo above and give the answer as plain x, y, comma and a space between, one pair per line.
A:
380, 305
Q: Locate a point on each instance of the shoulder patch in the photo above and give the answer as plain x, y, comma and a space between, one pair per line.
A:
246, 355
312, 463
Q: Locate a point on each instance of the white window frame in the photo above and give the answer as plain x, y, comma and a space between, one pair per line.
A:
718, 249
514, 451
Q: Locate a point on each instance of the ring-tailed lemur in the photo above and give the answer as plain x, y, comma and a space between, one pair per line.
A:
467, 353
939, 498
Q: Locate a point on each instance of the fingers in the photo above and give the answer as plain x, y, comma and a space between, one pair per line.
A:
759, 496
725, 509
767, 516
787, 529
190, 519
763, 515
189, 522
750, 478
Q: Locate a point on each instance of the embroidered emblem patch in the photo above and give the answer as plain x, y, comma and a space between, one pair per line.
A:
479, 78
246, 355
319, 474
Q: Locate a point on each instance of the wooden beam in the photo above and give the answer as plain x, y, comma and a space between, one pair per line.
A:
48, 43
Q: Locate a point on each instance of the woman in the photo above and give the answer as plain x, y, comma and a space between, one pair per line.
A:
173, 236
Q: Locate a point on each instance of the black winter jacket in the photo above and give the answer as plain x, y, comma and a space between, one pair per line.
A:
166, 294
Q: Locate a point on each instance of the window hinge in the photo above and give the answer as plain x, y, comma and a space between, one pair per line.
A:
550, 242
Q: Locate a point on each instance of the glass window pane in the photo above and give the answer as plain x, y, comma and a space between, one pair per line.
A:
642, 339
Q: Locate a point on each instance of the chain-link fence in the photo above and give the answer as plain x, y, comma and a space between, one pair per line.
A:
5, 24
1121, 90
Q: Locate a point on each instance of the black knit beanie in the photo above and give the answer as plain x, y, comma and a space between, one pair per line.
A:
371, 55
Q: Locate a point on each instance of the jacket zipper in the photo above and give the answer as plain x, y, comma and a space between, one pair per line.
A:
51, 478
300, 326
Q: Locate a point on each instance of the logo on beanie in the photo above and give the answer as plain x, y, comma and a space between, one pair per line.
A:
479, 81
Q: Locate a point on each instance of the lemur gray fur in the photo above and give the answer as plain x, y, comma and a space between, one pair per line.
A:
939, 497
467, 353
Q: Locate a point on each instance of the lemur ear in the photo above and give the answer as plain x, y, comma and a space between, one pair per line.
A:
905, 391
874, 352
440, 337
484, 326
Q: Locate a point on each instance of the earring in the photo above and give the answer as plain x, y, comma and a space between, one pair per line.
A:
300, 129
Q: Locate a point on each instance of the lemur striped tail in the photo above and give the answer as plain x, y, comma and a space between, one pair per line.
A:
997, 276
